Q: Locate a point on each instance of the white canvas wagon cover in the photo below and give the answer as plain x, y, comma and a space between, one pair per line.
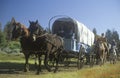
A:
68, 25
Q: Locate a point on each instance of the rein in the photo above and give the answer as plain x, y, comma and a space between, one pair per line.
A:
49, 41
42, 35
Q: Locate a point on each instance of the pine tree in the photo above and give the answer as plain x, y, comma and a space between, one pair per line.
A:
109, 36
2, 37
95, 31
8, 29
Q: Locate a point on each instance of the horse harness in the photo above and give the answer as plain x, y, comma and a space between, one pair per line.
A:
53, 45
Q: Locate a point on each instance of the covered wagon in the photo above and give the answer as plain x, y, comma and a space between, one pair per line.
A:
73, 32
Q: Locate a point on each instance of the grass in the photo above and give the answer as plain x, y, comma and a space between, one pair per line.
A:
6, 57
12, 67
15, 58
106, 71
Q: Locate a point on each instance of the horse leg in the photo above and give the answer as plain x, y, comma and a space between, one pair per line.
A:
87, 58
46, 62
39, 66
53, 62
110, 58
110, 61
101, 61
97, 59
35, 60
103, 58
26, 63
56, 67
114, 59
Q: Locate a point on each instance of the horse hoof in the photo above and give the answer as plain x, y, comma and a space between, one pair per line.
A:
25, 70
55, 71
37, 73
49, 70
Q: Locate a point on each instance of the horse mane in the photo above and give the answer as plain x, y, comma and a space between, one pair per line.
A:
26, 30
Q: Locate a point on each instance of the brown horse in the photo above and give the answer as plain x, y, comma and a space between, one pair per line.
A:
100, 51
20, 30
27, 45
35, 30
54, 43
41, 46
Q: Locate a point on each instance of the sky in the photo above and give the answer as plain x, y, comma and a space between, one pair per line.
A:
99, 14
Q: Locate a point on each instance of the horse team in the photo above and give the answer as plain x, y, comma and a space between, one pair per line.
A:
35, 40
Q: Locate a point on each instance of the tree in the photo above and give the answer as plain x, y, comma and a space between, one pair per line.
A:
118, 47
0, 27
109, 36
95, 31
2, 37
115, 36
8, 29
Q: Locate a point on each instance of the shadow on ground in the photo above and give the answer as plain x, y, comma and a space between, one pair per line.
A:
15, 68
18, 68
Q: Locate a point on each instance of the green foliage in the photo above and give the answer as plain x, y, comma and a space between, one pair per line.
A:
6, 45
7, 57
110, 35
11, 47
118, 46
0, 27
2, 39
115, 35
14, 45
7, 31
95, 31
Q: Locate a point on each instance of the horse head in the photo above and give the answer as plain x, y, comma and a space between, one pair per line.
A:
18, 30
35, 29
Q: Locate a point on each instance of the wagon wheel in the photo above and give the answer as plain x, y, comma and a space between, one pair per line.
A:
67, 62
